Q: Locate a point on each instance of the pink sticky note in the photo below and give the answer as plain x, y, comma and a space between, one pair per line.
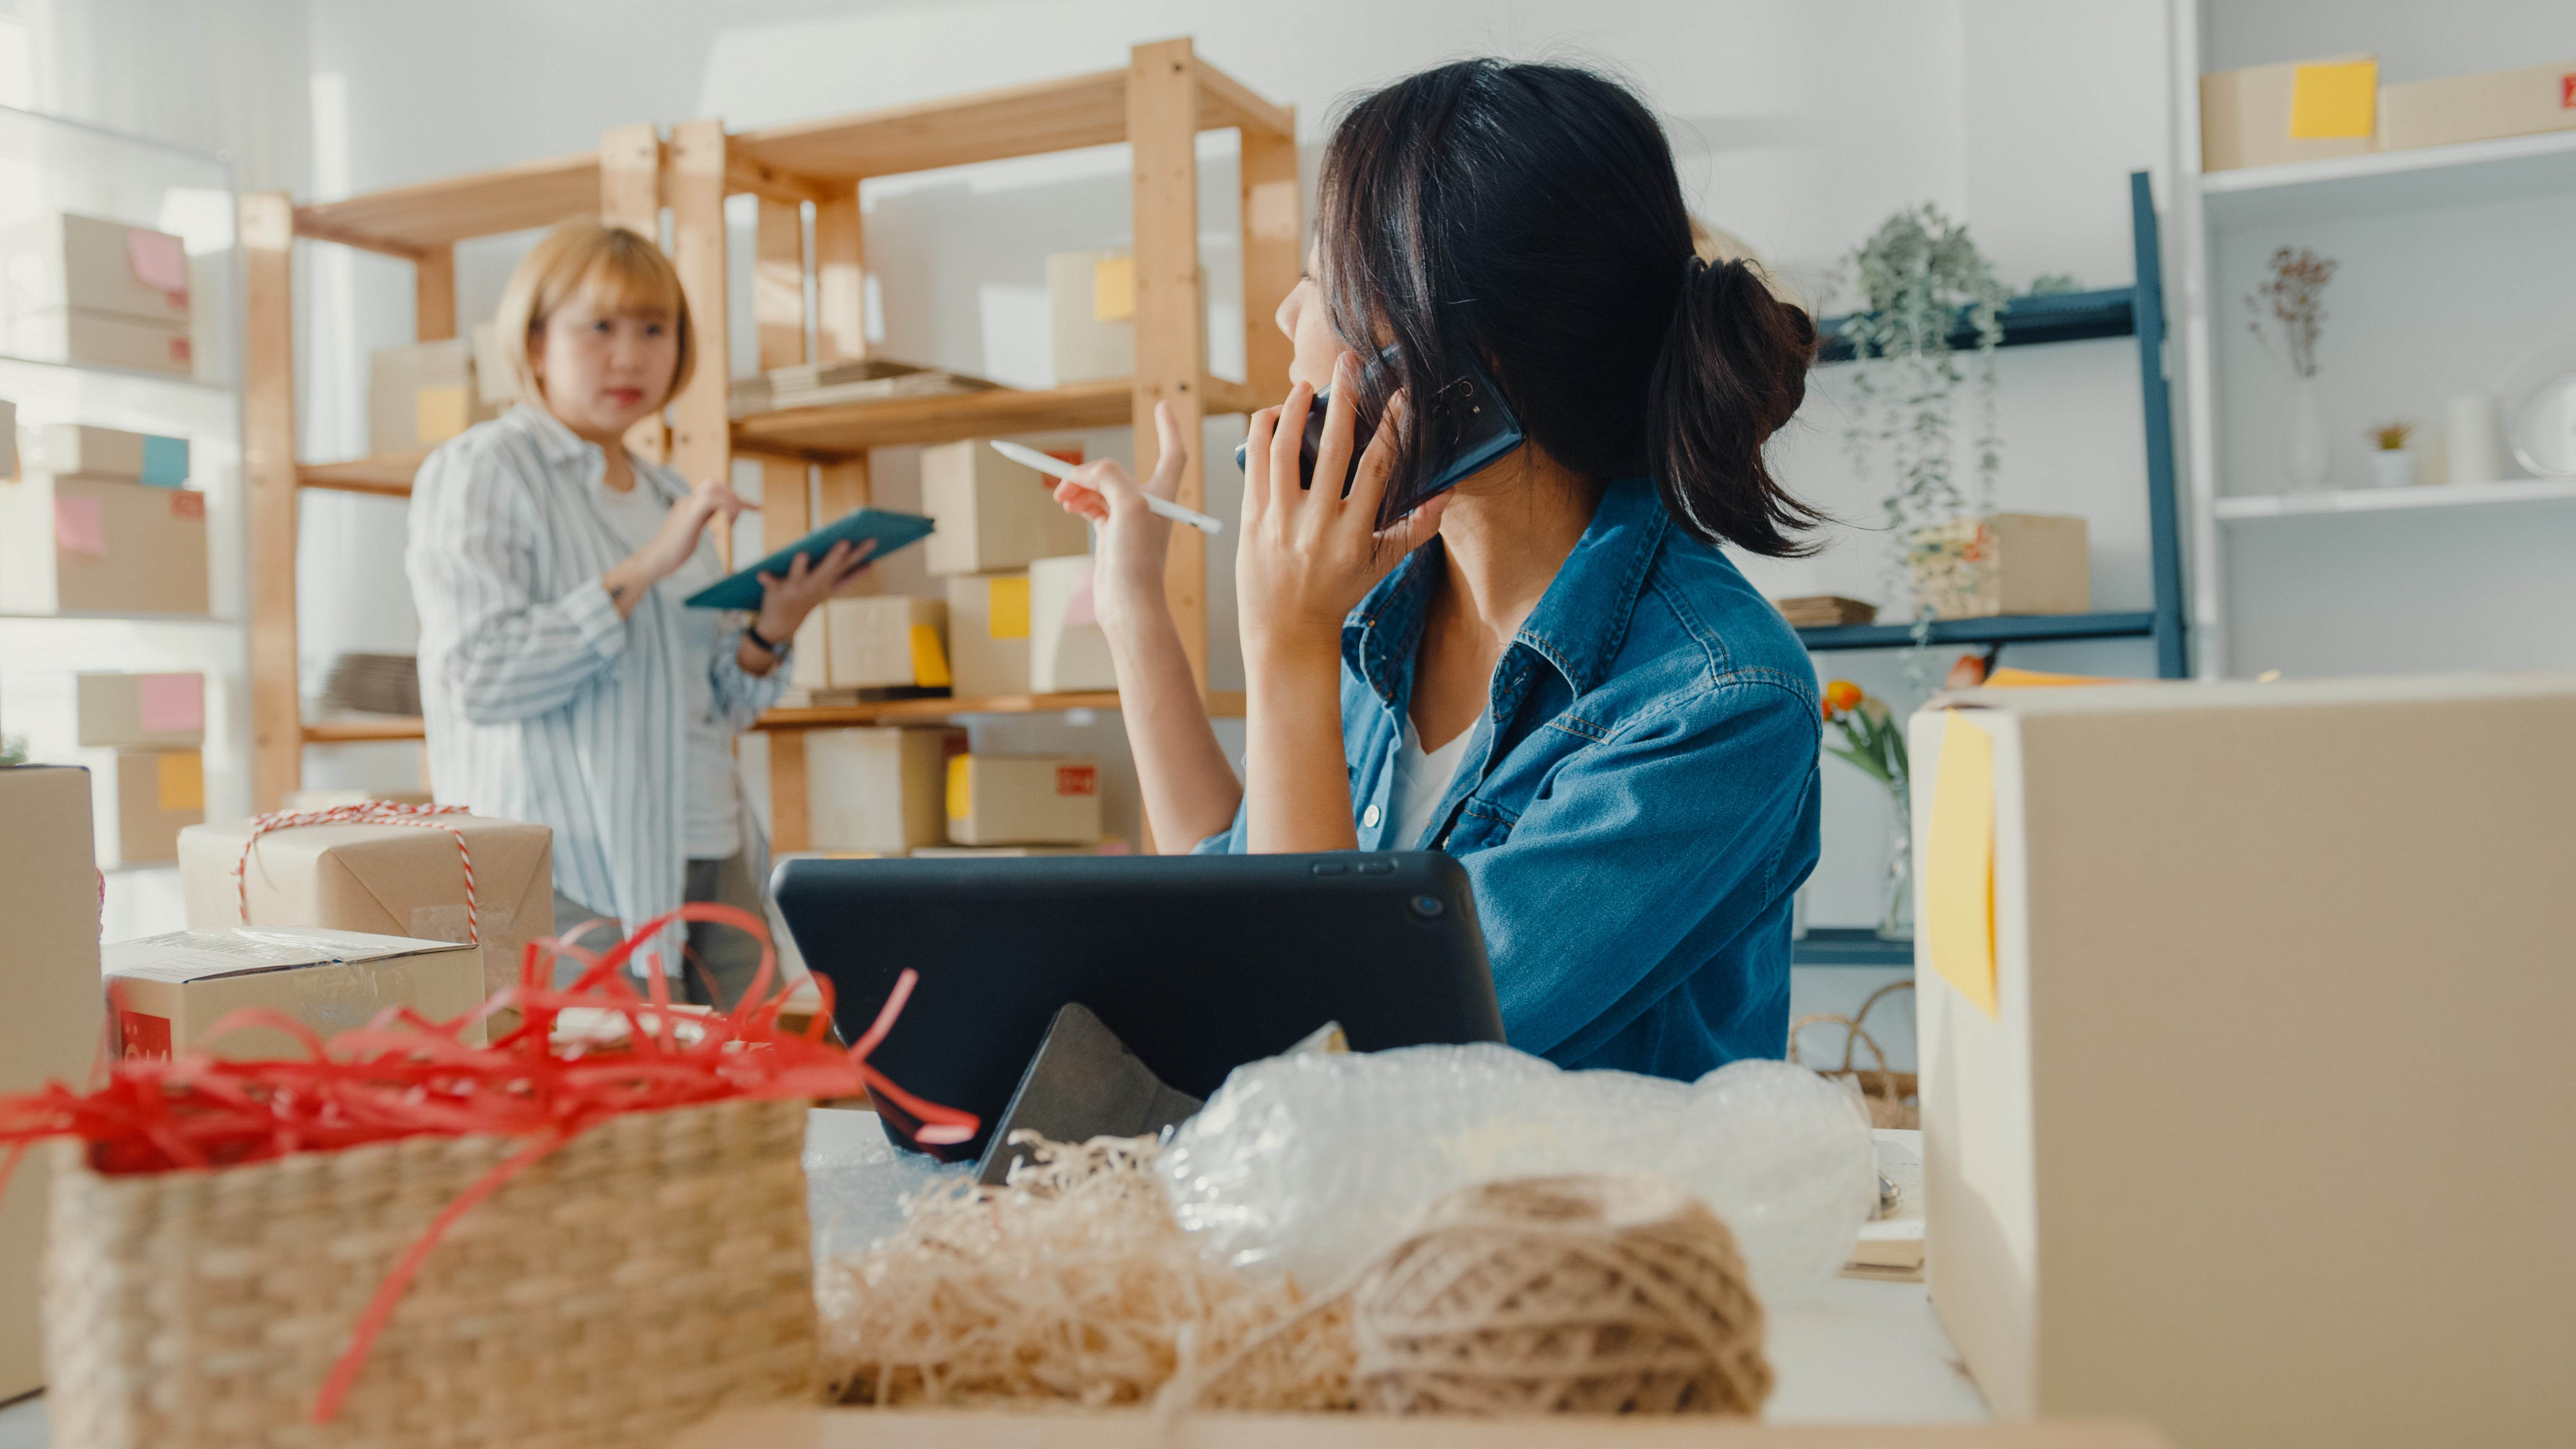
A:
158, 261
79, 527
1078, 610
173, 702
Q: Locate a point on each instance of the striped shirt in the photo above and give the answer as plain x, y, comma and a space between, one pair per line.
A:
541, 703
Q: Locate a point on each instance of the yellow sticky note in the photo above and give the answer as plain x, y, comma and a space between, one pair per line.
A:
961, 793
929, 659
1007, 615
2334, 100
437, 414
1113, 289
1959, 871
183, 781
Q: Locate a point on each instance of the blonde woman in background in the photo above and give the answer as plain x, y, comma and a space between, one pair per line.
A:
562, 679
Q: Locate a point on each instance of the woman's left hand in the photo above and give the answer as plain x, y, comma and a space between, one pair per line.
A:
1307, 556
786, 600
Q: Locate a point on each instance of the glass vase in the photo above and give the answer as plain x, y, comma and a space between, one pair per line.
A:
1896, 919
2307, 438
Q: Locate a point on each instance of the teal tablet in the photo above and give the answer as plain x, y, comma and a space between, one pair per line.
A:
891, 531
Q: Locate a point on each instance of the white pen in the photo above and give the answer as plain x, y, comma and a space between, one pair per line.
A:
1059, 468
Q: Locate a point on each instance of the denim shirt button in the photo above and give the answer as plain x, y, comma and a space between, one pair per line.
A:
1368, 817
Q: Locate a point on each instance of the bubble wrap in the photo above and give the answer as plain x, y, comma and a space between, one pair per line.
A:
856, 1182
1316, 1164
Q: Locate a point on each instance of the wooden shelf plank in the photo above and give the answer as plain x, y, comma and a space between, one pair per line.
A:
851, 428
389, 476
408, 220
359, 729
1224, 704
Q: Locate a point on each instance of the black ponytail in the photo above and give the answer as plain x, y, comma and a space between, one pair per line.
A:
1527, 217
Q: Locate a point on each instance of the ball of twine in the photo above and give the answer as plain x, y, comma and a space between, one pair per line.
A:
1586, 1294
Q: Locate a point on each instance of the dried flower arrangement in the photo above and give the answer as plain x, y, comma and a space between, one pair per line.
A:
2294, 295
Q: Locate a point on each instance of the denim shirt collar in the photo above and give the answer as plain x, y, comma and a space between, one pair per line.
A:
1577, 627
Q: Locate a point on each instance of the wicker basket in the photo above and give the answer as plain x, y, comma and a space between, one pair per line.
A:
649, 1271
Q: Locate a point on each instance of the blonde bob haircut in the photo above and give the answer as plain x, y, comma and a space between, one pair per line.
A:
617, 269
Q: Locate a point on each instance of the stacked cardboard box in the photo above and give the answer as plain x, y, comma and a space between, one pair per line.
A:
2484, 107
1023, 800
2269, 115
1068, 652
994, 515
988, 634
878, 790
167, 990
424, 394
82, 289
100, 521
138, 737
865, 646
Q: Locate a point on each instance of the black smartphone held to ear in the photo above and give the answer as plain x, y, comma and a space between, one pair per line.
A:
1486, 429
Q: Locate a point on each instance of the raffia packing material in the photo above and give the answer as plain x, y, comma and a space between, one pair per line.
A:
1077, 1428
656, 1268
994, 515
872, 641
988, 634
381, 880
2007, 563
113, 453
1068, 651
878, 789
2484, 107
2247, 116
100, 339
92, 264
165, 991
51, 1030
2188, 905
1023, 800
422, 395
105, 545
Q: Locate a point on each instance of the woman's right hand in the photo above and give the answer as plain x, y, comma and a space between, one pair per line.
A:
674, 543
1127, 577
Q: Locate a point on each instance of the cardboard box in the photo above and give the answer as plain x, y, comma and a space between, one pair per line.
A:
2008, 563
1023, 800
2161, 925
8, 439
100, 339
1067, 650
1091, 300
492, 381
140, 711
166, 990
334, 799
51, 1029
88, 263
72, 545
872, 641
994, 515
112, 453
881, 790
988, 634
422, 395
2478, 107
143, 799
381, 880
2255, 116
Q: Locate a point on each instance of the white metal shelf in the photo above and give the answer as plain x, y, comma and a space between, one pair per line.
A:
2382, 181
2382, 500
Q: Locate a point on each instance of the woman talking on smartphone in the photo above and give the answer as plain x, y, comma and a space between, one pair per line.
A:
1550, 671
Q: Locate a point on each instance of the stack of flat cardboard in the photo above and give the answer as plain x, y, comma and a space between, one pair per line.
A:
374, 684
1824, 611
822, 384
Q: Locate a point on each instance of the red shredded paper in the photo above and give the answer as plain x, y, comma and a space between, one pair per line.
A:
402, 1075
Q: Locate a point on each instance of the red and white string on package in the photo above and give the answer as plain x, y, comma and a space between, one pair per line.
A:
374, 812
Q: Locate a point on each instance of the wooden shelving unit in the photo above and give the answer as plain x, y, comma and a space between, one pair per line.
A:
814, 460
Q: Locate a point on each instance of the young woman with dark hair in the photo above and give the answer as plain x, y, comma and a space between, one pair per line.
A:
1550, 671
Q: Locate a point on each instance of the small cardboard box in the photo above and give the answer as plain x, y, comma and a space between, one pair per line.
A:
334, 799
73, 545
2008, 563
112, 453
2157, 924
880, 790
988, 634
2478, 107
1023, 800
140, 711
994, 515
91, 264
144, 798
2268, 115
872, 641
492, 381
1091, 301
100, 339
50, 1031
381, 880
1068, 652
166, 990
422, 395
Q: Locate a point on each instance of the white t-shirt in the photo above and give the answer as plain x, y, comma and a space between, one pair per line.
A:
1422, 780
712, 824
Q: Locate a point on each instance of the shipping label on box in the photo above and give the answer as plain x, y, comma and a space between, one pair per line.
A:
422, 395
994, 515
2008, 563
89, 263
1023, 800
988, 634
383, 880
881, 790
166, 991
2268, 115
1068, 652
2485, 107
142, 711
881, 641
70, 545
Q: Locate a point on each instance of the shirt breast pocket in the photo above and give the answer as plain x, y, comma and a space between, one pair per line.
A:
1481, 825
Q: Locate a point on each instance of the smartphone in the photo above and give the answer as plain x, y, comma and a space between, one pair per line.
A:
1471, 410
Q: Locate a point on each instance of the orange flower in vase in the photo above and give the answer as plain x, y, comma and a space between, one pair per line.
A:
1874, 743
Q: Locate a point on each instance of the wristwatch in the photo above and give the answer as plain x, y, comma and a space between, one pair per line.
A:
774, 651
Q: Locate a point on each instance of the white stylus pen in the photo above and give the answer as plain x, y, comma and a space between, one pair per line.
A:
1059, 468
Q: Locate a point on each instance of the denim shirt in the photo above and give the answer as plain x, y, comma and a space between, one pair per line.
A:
1637, 804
